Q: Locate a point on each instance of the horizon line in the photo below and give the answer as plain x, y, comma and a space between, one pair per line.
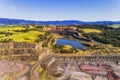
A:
61, 20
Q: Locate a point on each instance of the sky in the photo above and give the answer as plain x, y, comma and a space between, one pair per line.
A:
50, 10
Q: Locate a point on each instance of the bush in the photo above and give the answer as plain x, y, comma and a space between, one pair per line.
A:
6, 40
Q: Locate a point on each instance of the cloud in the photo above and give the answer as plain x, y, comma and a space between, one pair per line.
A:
13, 8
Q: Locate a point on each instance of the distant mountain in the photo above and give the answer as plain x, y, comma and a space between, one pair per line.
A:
5, 21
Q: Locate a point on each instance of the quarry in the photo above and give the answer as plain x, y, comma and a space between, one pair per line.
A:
83, 67
16, 65
57, 53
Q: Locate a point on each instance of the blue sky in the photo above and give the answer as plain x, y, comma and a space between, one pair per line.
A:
48, 10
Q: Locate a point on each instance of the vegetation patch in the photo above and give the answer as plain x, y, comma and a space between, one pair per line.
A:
116, 26
11, 28
67, 47
44, 74
19, 34
63, 50
91, 31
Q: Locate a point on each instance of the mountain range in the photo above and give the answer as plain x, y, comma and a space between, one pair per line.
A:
6, 21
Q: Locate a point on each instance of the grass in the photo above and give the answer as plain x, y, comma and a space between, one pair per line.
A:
67, 47
44, 74
11, 28
116, 26
25, 37
29, 36
91, 31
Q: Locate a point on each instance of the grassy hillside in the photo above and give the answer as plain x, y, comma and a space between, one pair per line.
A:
19, 34
11, 28
91, 30
116, 26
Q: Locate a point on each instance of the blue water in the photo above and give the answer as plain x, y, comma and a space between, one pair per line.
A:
74, 44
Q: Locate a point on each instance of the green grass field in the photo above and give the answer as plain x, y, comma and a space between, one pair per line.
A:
29, 36
116, 26
11, 28
91, 31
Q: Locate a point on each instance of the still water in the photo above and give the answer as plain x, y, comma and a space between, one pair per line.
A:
74, 44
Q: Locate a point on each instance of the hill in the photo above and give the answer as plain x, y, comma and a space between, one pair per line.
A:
5, 21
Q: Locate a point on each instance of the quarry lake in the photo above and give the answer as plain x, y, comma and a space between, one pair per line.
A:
74, 44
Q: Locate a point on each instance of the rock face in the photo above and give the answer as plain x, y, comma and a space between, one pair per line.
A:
17, 48
20, 48
66, 30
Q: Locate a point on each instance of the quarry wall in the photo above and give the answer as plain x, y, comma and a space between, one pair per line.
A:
25, 50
